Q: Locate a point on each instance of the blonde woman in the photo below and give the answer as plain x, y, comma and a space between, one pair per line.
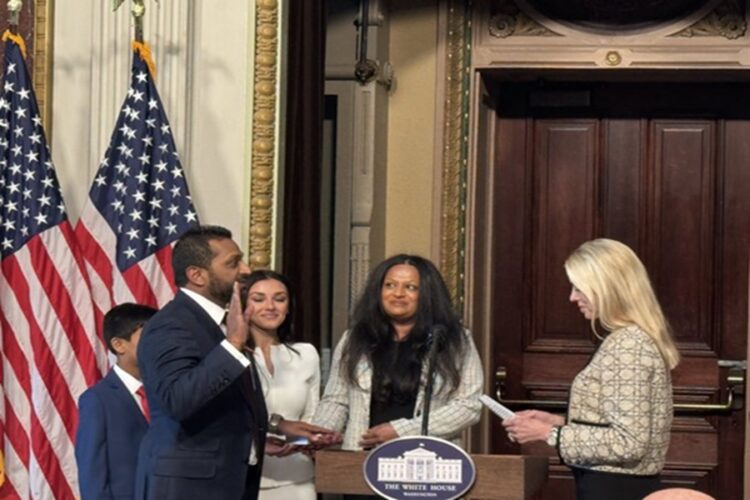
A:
616, 433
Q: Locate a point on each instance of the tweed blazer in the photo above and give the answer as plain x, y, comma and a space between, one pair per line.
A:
346, 408
620, 409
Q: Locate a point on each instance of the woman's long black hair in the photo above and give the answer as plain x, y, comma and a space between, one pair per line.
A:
285, 331
372, 329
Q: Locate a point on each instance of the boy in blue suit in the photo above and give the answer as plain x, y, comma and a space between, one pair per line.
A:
112, 415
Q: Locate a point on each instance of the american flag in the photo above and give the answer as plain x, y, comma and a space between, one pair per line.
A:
139, 204
50, 351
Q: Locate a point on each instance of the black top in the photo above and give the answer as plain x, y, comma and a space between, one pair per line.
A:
391, 365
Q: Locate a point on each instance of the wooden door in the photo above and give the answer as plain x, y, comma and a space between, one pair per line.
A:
665, 168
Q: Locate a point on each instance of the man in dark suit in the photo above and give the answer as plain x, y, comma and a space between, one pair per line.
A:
112, 415
208, 417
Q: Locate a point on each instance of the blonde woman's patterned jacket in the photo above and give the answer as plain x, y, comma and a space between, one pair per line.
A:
620, 409
346, 408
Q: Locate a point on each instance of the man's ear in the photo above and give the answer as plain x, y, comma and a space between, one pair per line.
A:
118, 345
198, 276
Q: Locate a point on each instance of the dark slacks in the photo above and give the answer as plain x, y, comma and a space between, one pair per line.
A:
596, 485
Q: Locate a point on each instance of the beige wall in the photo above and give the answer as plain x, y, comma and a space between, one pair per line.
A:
410, 171
204, 58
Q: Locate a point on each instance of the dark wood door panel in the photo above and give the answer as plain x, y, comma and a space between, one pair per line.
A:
680, 256
512, 190
565, 197
734, 203
624, 173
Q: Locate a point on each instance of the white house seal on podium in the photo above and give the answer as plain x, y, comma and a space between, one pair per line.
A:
419, 468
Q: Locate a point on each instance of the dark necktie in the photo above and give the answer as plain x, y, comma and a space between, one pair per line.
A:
250, 380
254, 394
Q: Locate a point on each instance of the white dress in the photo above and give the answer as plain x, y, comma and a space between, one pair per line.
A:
293, 392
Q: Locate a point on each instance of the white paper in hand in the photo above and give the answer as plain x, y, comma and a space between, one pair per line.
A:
501, 411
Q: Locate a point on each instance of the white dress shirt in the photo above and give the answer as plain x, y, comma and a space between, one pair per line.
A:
131, 383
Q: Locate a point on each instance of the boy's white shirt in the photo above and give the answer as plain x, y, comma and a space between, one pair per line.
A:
132, 383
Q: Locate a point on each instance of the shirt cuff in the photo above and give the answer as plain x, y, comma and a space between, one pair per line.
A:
405, 427
236, 354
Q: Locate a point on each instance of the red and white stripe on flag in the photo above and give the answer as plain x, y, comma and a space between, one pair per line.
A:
49, 350
149, 282
50, 355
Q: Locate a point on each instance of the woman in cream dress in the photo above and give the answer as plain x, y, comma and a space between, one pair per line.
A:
290, 376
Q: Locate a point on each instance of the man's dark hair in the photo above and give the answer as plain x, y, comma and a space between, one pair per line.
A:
122, 321
193, 249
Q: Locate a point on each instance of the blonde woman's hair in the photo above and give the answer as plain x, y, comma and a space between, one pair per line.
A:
612, 277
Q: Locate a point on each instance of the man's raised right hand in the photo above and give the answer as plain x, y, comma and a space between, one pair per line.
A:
238, 330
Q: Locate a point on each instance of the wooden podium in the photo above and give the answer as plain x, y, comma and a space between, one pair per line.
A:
498, 476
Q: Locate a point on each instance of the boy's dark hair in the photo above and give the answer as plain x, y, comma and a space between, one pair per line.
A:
123, 320
192, 249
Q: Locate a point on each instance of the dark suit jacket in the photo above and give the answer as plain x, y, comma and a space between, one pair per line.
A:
110, 428
204, 417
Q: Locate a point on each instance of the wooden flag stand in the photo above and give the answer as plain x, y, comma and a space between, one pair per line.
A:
506, 477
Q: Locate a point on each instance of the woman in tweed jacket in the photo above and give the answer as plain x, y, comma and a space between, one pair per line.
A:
616, 434
375, 390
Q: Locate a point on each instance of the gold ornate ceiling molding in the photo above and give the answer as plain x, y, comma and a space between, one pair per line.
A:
455, 143
264, 132
726, 20
512, 21
675, 34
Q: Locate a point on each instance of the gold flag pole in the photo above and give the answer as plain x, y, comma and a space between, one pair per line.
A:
138, 9
14, 8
